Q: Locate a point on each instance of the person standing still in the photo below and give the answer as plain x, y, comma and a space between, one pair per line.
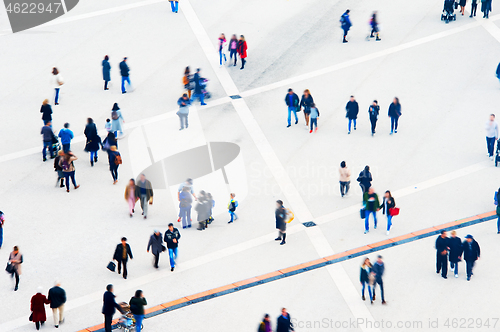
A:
378, 270
280, 215
57, 82
16, 259
174, 4
66, 136
121, 255
284, 323
306, 103
242, 51
233, 49
491, 135
106, 72
394, 114
222, 42
172, 236
346, 24
125, 74
292, 101
46, 111
57, 298
185, 201
108, 307
365, 179
455, 245
344, 178
184, 102
352, 110
473, 8
156, 246
371, 205
373, 112
47, 140
137, 304
442, 254
145, 193
472, 252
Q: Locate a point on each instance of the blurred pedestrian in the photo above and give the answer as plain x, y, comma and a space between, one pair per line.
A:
371, 205
265, 325
121, 255
198, 89
2, 224
497, 196
473, 8
314, 118
184, 102
186, 80
233, 48
486, 8
442, 254
106, 72
373, 112
58, 168
57, 298
242, 51
156, 246
202, 208
107, 125
378, 270
284, 323
211, 205
352, 110
292, 101
491, 135
68, 169
175, 5
233, 204
365, 179
66, 136
47, 140
172, 236
346, 24
185, 201
365, 278
57, 82
16, 259
46, 111
455, 245
145, 193
38, 302
108, 307
131, 196
125, 74
472, 252
394, 114
93, 140
462, 4
115, 160
280, 215
306, 103
137, 304
117, 120
374, 26
222, 42
344, 178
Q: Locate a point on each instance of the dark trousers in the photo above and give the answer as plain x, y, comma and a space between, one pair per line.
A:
243, 61
231, 53
124, 262
344, 187
470, 266
394, 124
442, 264
157, 259
380, 282
108, 319
66, 147
114, 171
364, 187
473, 8
490, 143
67, 175
374, 124
106, 85
16, 275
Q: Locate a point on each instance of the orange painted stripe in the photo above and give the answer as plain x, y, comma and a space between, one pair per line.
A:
314, 262
269, 275
380, 244
487, 214
246, 281
402, 237
153, 309
175, 302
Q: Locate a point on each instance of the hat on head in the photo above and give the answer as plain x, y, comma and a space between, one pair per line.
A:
469, 236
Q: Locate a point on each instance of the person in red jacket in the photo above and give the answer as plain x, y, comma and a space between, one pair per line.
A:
242, 50
38, 302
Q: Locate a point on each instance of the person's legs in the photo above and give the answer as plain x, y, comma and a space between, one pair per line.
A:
342, 188
66, 177
349, 125
172, 5
125, 272
438, 263
188, 216
396, 120
131, 205
56, 99
389, 222
392, 124
290, 115
490, 144
55, 316
498, 229
373, 123
72, 175
1, 237
307, 118
363, 290
176, 6
138, 322
106, 85
123, 84
243, 61
146, 205
381, 284
220, 57
119, 266
370, 292
182, 215
374, 219
354, 120
157, 259
456, 268
367, 220
107, 322
37, 325
16, 275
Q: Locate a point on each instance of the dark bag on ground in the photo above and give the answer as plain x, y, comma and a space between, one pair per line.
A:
111, 266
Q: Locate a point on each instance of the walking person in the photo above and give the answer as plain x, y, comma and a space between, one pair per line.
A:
306, 103
2, 224
131, 196
198, 89
47, 135
185, 201
184, 102
16, 259
116, 120
455, 245
346, 24
174, 4
314, 118
486, 8
462, 4
108, 307
106, 72
242, 51
344, 178
280, 215
497, 196
442, 254
387, 205
66, 136
371, 205
284, 323
491, 135
365, 179
121, 255
115, 160
46, 111
145, 193
38, 302
156, 246
186, 80
233, 204
57, 298
373, 112
352, 110
57, 81
68, 169
473, 8
172, 236
233, 48
374, 26
472, 252
394, 114
292, 101
137, 304
222, 48
109, 141
202, 209
211, 205
93, 140
58, 168
125, 74
378, 271
265, 325
364, 279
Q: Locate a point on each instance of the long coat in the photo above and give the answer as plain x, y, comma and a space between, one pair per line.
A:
38, 302
242, 49
155, 244
280, 215
394, 110
106, 70
116, 125
46, 111
18, 260
471, 254
352, 110
455, 245
93, 140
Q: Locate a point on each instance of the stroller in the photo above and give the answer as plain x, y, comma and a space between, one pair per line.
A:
449, 8
203, 84
497, 154
55, 146
127, 321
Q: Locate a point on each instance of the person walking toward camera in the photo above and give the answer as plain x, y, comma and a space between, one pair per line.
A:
352, 110
57, 298
378, 271
15, 260
387, 205
394, 114
66, 136
198, 89
38, 302
306, 103
455, 245
265, 325
371, 204
145, 193
364, 278
233, 49
46, 111
184, 102
125, 74
156, 246
373, 112
106, 72
472, 252
284, 323
57, 81
47, 135
108, 307
68, 169
122, 253
442, 254
344, 178
137, 304
172, 236
365, 179
491, 135
292, 101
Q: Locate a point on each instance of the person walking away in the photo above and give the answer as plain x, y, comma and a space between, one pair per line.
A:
125, 74
462, 6
2, 224
442, 254
121, 255
137, 304
352, 110
185, 200
174, 4
198, 89
57, 81
16, 259
172, 236
38, 302
378, 270
280, 215
284, 323
107, 125
374, 26
365, 179
156, 246
491, 134
46, 111
66, 136
202, 208
145, 193
131, 196
387, 205
222, 48
68, 169
117, 120
486, 8
346, 24
93, 140
184, 102
473, 8
472, 252
394, 114
109, 141
371, 205
57, 299
115, 160
242, 51
314, 118
233, 48
231, 207
265, 325
108, 307
373, 112
186, 80
58, 168
47, 135
292, 101
344, 178
306, 103
364, 279
455, 245
106, 72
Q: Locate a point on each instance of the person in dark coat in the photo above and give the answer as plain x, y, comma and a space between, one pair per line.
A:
106, 72
365, 179
46, 111
108, 307
306, 103
242, 51
394, 114
114, 159
125, 74
280, 215
442, 254
373, 112
172, 236
388, 203
198, 89
455, 245
486, 8
122, 253
471, 252
93, 140
284, 323
292, 101
345, 20
57, 298
352, 110
473, 8
364, 278
498, 71
156, 246
137, 304
109, 141
144, 190
48, 136
203, 210
378, 270
265, 325
38, 302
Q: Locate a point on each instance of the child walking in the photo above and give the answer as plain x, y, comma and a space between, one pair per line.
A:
233, 204
314, 118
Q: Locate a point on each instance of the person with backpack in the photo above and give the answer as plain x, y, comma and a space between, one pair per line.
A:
371, 205
388, 203
109, 141
185, 201
292, 101
66, 136
93, 140
497, 199
186, 80
365, 179
394, 114
280, 215
131, 196
184, 102
242, 51
351, 112
68, 169
115, 160
265, 325
174, 4
374, 26
373, 112
346, 24
314, 118
117, 120
106, 72
125, 73
233, 204
58, 168
47, 140
137, 304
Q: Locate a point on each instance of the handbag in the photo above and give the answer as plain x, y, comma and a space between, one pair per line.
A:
362, 213
111, 266
31, 317
163, 248
10, 268
394, 211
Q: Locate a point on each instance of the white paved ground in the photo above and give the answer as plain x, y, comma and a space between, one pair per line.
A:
436, 164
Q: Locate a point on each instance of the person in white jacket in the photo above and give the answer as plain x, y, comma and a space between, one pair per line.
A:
222, 48
344, 178
491, 134
57, 82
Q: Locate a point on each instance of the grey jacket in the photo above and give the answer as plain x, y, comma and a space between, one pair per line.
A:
155, 244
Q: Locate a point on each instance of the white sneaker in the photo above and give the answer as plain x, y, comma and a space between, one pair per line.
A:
387, 233
366, 232
491, 158
456, 275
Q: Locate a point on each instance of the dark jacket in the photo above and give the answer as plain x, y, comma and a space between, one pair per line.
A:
284, 324
124, 69
365, 179
373, 111
379, 270
394, 110
391, 203
57, 167
156, 244
306, 103
118, 256
295, 100
147, 185
363, 274
498, 72
170, 236
137, 305
38, 302
109, 304
371, 205
280, 215
111, 158
46, 111
346, 21
472, 252
47, 133
352, 110
93, 140
106, 70
264, 326
441, 244
111, 141
57, 297
197, 85
455, 245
